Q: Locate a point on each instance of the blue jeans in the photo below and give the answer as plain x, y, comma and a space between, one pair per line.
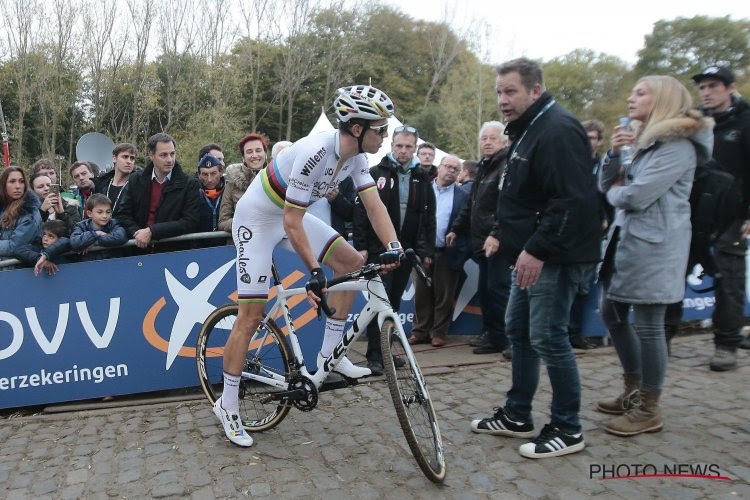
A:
494, 290
536, 323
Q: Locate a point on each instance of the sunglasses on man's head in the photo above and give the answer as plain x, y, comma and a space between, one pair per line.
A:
405, 128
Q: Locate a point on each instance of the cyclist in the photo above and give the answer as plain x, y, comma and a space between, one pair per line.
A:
274, 205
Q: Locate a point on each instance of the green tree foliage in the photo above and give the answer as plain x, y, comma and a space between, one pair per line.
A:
139, 67
683, 46
590, 85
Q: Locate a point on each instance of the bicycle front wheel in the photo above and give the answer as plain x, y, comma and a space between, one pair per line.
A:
413, 404
267, 355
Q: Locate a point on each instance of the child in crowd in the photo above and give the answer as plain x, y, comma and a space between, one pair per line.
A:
99, 229
44, 255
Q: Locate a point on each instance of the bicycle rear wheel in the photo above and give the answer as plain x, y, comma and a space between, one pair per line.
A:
413, 404
268, 354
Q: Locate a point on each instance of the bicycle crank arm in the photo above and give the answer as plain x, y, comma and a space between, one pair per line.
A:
285, 396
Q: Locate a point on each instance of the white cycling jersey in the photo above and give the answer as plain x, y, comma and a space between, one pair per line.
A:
301, 175
304, 172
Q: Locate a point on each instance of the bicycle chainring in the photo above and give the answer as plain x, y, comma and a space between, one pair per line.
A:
310, 401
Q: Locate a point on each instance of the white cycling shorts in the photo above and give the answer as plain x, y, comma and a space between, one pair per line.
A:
257, 228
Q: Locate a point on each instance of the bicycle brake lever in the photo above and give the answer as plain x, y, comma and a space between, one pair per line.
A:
323, 306
416, 263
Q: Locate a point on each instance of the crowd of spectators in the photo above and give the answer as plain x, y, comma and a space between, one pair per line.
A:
528, 212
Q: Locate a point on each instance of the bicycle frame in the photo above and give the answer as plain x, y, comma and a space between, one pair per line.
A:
375, 307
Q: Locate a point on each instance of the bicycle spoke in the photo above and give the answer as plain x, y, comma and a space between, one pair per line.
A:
413, 405
267, 356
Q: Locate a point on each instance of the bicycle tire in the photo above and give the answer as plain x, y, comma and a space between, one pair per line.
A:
413, 406
272, 356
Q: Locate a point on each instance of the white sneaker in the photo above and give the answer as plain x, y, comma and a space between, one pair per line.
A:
346, 368
232, 425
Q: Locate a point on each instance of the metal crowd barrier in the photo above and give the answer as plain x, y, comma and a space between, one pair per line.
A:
183, 237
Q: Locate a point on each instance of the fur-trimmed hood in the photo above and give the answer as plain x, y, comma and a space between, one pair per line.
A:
240, 176
694, 126
30, 202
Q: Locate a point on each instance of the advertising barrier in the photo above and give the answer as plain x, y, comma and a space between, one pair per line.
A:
129, 325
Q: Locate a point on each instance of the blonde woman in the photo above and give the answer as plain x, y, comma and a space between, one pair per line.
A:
652, 234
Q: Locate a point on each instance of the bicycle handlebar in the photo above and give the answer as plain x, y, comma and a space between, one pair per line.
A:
370, 271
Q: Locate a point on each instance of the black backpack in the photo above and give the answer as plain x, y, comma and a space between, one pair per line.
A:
713, 206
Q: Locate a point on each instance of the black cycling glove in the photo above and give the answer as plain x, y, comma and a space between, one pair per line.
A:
390, 257
317, 282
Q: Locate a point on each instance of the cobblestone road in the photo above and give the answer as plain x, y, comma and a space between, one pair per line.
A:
177, 449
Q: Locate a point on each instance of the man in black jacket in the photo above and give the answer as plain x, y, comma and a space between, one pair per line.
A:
717, 90
113, 183
477, 220
406, 191
161, 201
549, 226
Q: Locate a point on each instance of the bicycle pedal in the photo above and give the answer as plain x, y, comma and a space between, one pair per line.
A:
337, 381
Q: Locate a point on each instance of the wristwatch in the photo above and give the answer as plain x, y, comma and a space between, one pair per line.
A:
393, 245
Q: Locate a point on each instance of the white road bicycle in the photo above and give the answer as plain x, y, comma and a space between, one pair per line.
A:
275, 378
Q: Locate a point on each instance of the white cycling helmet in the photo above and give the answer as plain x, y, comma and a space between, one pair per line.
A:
362, 101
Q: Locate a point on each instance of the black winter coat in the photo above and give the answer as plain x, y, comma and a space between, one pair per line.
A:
418, 230
177, 213
732, 148
477, 219
548, 204
342, 207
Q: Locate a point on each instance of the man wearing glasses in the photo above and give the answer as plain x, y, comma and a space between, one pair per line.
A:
406, 191
434, 305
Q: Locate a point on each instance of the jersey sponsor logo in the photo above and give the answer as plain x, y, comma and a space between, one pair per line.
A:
310, 164
244, 235
320, 189
381, 183
298, 184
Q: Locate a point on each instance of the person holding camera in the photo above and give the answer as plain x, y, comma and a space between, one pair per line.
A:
53, 206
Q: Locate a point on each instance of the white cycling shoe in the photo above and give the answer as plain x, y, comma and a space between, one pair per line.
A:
346, 368
232, 424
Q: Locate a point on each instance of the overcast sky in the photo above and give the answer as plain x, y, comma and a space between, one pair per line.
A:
549, 28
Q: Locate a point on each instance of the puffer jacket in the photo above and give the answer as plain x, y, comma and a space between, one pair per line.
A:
238, 178
653, 210
28, 227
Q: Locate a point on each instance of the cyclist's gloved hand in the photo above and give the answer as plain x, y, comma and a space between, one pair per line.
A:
317, 282
392, 254
390, 257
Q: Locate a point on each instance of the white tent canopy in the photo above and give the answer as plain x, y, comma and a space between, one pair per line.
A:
324, 124
321, 125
